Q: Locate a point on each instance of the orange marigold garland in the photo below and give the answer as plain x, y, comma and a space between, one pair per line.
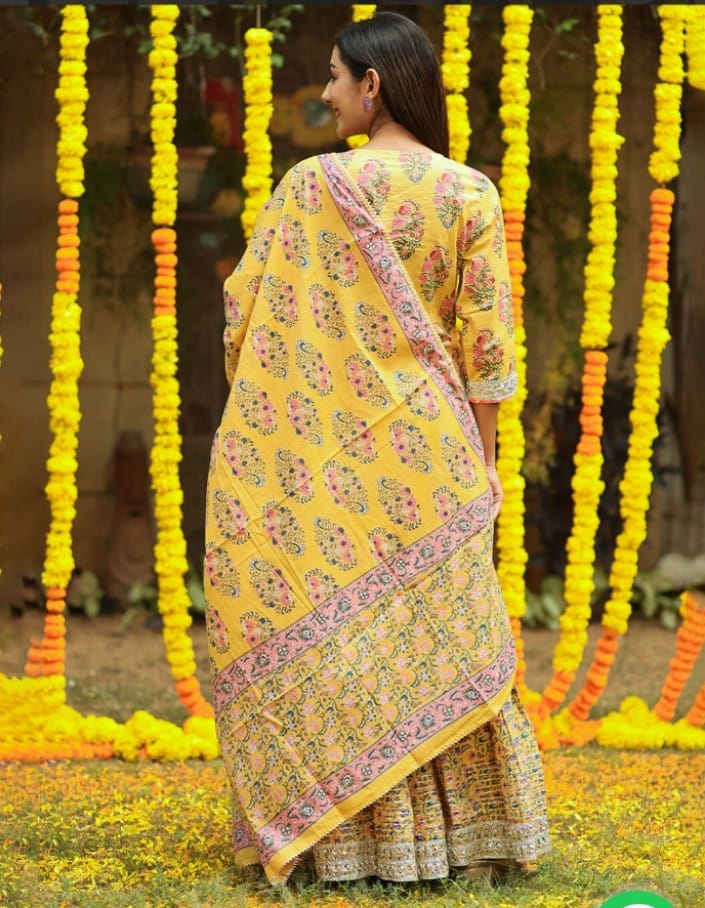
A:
514, 187
455, 66
170, 551
690, 639
696, 713
599, 283
636, 483
259, 107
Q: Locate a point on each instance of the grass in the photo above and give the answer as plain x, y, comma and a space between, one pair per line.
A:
114, 835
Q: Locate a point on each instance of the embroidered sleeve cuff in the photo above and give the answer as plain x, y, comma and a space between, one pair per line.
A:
492, 390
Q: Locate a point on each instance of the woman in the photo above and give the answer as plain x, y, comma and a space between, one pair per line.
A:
363, 664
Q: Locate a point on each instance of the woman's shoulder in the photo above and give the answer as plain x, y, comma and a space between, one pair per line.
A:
473, 180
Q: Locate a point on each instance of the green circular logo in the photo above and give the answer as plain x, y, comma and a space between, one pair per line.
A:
636, 899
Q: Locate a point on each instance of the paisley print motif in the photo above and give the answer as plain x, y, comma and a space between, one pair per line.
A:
448, 198
220, 572
504, 307
479, 282
398, 502
261, 243
255, 628
303, 416
419, 397
326, 312
375, 329
459, 461
255, 406
434, 271
407, 228
373, 178
307, 190
337, 258
410, 446
344, 487
470, 233
271, 351
446, 502
234, 316
244, 459
293, 475
487, 354
383, 543
314, 368
365, 380
230, 517
281, 299
353, 435
415, 164
271, 587
282, 528
320, 586
336, 546
294, 242
217, 631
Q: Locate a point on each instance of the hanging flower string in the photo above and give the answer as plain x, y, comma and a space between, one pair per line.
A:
599, 284
455, 65
170, 551
514, 187
259, 107
635, 726
360, 12
635, 487
695, 45
696, 714
48, 656
690, 639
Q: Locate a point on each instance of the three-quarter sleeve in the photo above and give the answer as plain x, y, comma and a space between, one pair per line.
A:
242, 286
484, 303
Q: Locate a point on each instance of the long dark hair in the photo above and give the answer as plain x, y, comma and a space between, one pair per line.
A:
410, 74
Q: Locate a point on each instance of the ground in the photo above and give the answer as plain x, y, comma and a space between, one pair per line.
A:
113, 671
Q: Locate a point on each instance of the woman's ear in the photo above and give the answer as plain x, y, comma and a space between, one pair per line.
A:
372, 83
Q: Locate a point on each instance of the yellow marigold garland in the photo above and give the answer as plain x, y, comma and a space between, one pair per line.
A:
514, 187
455, 66
48, 656
599, 284
635, 487
695, 45
360, 12
257, 91
170, 550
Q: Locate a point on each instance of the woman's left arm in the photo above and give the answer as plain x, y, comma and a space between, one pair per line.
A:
486, 419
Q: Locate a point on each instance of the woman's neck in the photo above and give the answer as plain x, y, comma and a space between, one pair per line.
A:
386, 133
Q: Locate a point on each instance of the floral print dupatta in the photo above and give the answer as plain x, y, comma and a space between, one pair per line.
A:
356, 626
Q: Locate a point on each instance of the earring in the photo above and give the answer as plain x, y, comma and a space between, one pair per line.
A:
367, 103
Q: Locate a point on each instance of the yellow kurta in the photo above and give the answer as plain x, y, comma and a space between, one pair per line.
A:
355, 623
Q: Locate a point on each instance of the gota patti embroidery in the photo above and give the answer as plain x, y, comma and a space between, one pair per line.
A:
482, 799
